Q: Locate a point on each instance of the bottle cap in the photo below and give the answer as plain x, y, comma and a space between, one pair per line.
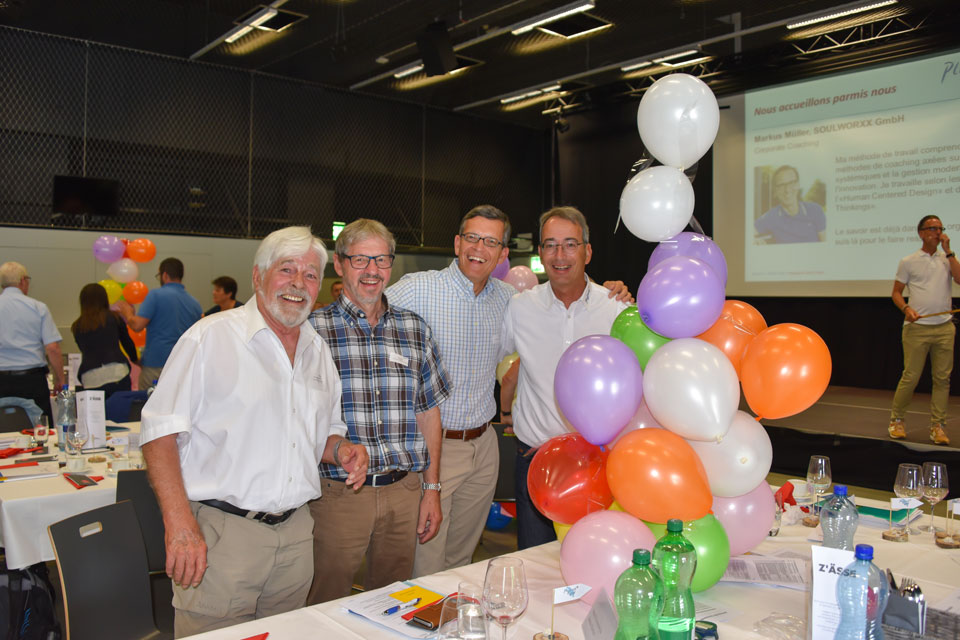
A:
840, 490
863, 552
674, 525
641, 556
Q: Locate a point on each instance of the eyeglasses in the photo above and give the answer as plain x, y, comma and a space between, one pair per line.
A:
359, 261
488, 241
569, 246
940, 229
792, 183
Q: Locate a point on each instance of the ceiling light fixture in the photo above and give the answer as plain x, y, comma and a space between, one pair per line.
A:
529, 94
237, 33
839, 12
551, 16
635, 66
576, 35
674, 56
248, 25
409, 71
687, 63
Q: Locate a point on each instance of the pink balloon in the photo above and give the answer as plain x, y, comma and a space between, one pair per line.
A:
501, 270
521, 278
746, 518
642, 419
599, 547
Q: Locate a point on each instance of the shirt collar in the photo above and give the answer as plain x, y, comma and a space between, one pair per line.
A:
464, 285
550, 298
347, 308
254, 323
14, 290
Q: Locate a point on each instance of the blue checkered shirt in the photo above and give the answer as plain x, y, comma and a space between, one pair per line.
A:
467, 328
389, 373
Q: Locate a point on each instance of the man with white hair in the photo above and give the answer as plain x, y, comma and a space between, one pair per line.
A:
248, 407
29, 338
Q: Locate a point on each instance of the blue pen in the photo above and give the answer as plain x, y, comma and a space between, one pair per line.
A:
401, 607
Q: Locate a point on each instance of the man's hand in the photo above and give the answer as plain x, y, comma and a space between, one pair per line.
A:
430, 515
619, 291
945, 242
186, 553
354, 460
910, 314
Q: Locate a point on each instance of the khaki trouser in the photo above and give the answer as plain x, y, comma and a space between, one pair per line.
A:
147, 376
918, 341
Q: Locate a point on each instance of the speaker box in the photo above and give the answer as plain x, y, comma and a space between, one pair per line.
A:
436, 50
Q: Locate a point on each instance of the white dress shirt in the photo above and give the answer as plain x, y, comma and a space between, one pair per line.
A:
540, 328
251, 427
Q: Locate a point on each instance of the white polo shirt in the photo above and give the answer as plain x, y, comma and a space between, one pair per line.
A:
928, 280
540, 328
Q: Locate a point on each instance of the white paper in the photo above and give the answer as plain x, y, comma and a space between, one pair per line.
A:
73, 369
904, 503
371, 605
712, 611
41, 470
827, 565
792, 573
91, 415
569, 593
601, 621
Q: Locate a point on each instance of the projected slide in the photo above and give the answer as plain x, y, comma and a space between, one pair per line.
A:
839, 170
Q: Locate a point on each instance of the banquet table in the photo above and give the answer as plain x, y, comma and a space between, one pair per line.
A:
936, 570
28, 507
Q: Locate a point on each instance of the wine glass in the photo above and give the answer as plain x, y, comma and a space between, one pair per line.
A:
909, 484
42, 431
505, 591
76, 438
935, 487
819, 478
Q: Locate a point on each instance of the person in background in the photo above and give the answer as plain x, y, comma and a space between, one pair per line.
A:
224, 295
99, 333
168, 311
928, 274
28, 339
232, 438
336, 288
792, 219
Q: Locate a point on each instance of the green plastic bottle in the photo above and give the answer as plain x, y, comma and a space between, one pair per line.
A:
638, 595
675, 558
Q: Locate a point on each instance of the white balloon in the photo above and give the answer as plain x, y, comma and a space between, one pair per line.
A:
678, 119
740, 461
124, 270
657, 203
691, 389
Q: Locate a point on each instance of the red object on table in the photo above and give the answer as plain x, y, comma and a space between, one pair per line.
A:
262, 636
32, 463
784, 494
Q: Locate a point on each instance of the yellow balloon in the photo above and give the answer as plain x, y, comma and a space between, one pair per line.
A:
505, 365
615, 506
114, 290
561, 530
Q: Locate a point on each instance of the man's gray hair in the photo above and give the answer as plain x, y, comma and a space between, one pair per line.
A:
11, 273
567, 213
289, 242
361, 229
489, 212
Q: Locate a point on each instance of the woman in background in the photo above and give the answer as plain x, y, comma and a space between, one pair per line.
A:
99, 333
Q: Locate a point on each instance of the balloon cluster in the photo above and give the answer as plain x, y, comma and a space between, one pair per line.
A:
123, 255
655, 404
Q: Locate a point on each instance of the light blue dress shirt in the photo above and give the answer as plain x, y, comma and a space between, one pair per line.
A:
27, 328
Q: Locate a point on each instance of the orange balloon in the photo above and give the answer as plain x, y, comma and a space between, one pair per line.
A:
141, 250
134, 292
139, 337
737, 325
744, 316
784, 370
655, 475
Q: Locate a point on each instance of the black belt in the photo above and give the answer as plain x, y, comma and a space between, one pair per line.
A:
263, 516
380, 479
24, 372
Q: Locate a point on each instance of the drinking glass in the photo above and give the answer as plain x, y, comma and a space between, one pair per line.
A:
76, 438
934, 487
462, 617
819, 478
42, 431
909, 484
505, 591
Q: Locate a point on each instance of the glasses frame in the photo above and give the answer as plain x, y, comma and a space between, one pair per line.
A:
568, 246
360, 261
488, 241
940, 229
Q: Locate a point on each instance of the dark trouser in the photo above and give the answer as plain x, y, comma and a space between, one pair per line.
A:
533, 527
32, 386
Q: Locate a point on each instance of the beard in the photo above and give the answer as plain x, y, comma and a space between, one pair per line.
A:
288, 316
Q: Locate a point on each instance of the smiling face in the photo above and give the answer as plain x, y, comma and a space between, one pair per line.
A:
786, 187
564, 268
930, 233
477, 261
364, 287
286, 291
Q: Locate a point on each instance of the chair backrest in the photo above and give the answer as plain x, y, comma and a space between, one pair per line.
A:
132, 485
103, 574
117, 406
14, 419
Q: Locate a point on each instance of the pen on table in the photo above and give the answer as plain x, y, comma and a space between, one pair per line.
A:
401, 607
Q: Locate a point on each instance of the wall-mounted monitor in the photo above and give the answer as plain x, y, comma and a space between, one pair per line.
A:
73, 195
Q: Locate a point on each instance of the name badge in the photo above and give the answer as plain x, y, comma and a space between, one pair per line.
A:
397, 358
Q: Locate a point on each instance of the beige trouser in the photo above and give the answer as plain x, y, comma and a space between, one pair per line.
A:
377, 522
147, 376
468, 473
918, 341
254, 570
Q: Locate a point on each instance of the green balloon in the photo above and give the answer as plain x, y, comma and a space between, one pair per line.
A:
629, 329
713, 548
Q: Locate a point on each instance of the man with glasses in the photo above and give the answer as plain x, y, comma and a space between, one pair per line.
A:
169, 311
540, 324
928, 326
393, 384
792, 219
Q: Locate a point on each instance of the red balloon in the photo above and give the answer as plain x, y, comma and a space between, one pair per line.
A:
141, 250
139, 337
135, 292
567, 479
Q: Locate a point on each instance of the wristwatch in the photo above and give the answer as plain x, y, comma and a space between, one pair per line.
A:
951, 255
431, 486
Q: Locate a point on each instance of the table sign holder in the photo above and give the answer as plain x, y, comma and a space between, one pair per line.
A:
92, 416
601, 621
562, 595
900, 534
827, 564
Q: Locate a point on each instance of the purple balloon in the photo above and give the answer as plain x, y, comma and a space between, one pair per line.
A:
108, 248
598, 385
747, 518
693, 245
501, 270
681, 297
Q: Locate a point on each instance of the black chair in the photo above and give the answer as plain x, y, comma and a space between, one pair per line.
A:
14, 419
506, 490
103, 575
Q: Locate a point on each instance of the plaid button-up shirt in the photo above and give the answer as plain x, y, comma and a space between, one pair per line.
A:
389, 373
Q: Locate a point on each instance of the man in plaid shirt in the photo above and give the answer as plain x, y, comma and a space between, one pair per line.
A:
393, 384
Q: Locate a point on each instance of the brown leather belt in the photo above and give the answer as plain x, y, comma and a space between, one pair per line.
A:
465, 434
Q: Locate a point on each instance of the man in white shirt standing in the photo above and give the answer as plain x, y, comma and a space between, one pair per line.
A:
247, 406
540, 324
928, 274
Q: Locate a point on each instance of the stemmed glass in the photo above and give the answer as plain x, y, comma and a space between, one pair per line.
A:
819, 478
42, 431
909, 484
76, 438
935, 488
505, 591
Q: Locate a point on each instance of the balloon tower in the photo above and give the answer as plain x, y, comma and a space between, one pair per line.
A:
123, 257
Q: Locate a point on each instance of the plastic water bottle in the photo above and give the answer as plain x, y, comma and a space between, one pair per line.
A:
838, 519
639, 598
675, 558
66, 415
862, 596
